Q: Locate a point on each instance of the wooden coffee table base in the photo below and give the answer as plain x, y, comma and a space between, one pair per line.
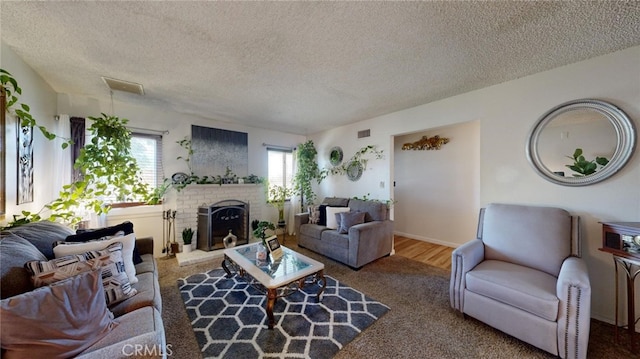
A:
281, 291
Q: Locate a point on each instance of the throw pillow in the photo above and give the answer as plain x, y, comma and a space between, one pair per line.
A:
128, 242
41, 234
332, 223
84, 235
314, 214
349, 219
14, 253
323, 215
114, 278
58, 321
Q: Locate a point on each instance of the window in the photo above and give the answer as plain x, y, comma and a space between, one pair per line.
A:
280, 164
147, 150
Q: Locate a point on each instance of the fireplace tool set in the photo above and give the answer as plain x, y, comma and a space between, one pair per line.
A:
170, 247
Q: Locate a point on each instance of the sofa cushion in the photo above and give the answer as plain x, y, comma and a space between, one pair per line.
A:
374, 211
148, 265
42, 234
516, 233
128, 243
526, 288
336, 201
335, 239
148, 295
332, 222
93, 234
14, 253
140, 329
62, 319
349, 219
114, 279
312, 230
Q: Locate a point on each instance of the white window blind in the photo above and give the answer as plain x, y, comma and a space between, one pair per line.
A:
280, 164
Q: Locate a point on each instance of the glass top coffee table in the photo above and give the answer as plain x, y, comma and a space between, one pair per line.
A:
276, 278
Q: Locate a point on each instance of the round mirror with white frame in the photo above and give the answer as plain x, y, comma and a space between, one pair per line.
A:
581, 142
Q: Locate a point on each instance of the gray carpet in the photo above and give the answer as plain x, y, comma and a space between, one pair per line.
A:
420, 324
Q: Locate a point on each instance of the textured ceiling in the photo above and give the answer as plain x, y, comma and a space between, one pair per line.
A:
303, 67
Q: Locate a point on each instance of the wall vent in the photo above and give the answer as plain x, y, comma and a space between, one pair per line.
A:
364, 133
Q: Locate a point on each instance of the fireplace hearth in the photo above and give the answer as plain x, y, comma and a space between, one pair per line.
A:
215, 221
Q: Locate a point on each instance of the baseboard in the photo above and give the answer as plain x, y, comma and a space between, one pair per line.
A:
427, 239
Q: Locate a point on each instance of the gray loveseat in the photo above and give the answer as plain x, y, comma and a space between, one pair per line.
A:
139, 331
362, 244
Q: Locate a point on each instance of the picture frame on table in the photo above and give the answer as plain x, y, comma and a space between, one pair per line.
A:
275, 250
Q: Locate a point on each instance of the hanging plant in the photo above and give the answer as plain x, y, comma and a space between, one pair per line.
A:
107, 170
11, 90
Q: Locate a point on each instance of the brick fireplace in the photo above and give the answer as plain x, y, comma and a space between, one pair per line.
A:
189, 199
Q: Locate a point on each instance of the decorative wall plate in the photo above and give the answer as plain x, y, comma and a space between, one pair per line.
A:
354, 170
335, 156
179, 177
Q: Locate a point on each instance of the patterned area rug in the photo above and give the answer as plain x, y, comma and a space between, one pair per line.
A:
229, 318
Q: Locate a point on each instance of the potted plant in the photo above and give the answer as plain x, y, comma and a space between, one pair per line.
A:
277, 196
308, 171
260, 230
187, 236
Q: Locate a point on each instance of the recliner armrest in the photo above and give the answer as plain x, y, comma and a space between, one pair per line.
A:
463, 259
574, 313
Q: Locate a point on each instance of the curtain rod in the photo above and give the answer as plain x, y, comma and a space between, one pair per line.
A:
164, 132
279, 147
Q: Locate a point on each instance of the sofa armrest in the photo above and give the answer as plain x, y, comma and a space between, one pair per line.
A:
574, 313
144, 245
300, 219
463, 259
369, 241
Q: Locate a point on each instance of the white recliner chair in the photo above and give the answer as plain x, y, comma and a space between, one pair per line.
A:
523, 276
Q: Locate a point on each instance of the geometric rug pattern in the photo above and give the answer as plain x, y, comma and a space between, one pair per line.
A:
229, 318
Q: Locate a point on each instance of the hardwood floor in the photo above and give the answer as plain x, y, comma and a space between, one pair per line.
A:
429, 253
425, 252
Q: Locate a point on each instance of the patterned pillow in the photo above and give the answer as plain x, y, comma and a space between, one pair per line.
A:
128, 244
314, 214
348, 219
114, 278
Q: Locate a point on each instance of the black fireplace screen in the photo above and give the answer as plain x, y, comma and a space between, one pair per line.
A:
215, 222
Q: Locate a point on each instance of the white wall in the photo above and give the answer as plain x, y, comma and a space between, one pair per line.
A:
39, 96
506, 112
437, 191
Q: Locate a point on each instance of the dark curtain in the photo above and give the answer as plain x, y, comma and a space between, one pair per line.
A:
77, 135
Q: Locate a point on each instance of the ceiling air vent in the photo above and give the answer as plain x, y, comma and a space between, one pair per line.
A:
364, 133
125, 86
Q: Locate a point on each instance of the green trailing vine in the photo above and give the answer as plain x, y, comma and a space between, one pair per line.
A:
307, 172
359, 157
12, 90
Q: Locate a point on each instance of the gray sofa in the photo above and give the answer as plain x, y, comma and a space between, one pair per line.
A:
139, 331
362, 244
